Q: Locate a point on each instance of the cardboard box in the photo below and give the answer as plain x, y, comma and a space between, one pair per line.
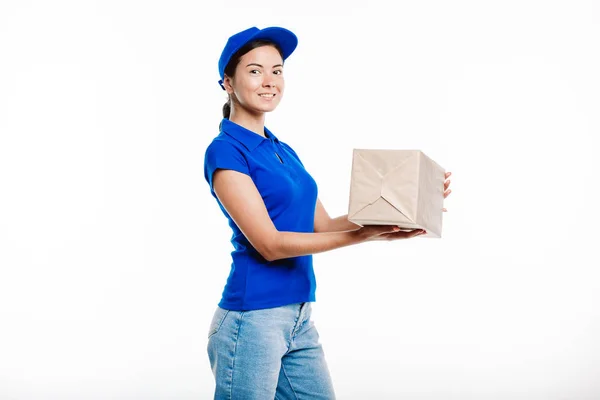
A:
396, 187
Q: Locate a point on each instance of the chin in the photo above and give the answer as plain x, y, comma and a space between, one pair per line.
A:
267, 109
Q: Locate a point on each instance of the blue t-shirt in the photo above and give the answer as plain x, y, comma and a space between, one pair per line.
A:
290, 195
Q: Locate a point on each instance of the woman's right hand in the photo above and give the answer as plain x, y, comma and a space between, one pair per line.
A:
387, 232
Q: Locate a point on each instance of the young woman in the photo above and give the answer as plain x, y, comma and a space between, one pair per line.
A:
262, 343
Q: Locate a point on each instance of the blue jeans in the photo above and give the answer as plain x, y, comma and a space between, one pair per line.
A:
268, 354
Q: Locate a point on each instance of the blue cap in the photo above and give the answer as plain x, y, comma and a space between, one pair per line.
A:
285, 39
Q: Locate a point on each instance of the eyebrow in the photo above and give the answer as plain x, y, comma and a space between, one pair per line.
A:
258, 65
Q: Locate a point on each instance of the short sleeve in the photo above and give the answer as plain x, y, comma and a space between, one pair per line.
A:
223, 155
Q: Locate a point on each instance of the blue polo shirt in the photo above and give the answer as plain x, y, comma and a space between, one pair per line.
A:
290, 195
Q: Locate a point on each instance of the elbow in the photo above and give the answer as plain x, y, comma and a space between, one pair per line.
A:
268, 257
269, 248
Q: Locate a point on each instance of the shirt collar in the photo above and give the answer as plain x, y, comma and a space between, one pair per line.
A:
245, 136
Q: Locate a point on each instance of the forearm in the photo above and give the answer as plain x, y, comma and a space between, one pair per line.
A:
340, 224
294, 244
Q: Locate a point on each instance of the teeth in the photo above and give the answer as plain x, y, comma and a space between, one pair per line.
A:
266, 95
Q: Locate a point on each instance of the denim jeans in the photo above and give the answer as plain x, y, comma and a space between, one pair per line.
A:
268, 354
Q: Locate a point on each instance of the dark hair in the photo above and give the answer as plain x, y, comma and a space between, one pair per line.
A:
235, 60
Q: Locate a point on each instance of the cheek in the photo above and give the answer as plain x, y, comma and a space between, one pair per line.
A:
246, 89
280, 86
252, 85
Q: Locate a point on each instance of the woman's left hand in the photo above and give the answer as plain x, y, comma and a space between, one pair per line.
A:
446, 185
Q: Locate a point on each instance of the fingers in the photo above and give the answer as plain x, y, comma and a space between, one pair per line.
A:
393, 232
405, 234
447, 184
374, 232
418, 232
446, 190
415, 233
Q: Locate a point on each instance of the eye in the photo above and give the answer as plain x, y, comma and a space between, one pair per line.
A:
278, 72
255, 72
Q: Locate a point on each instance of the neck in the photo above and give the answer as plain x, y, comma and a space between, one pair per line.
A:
254, 122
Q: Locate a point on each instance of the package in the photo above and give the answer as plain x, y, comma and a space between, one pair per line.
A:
397, 187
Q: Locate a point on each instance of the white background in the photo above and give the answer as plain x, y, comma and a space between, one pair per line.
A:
113, 254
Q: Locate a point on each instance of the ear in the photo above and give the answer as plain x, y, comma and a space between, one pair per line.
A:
227, 83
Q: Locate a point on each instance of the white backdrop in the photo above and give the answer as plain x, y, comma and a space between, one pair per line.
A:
113, 254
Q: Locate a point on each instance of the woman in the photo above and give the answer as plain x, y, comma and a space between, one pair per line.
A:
262, 342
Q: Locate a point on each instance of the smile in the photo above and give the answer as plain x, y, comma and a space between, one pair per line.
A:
268, 95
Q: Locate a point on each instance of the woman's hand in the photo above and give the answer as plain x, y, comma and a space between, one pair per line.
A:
387, 232
446, 185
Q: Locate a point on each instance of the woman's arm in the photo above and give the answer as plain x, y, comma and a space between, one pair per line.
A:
242, 201
324, 223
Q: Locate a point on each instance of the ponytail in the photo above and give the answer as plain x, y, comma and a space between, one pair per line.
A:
227, 108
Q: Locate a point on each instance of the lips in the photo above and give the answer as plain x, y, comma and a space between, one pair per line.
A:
267, 95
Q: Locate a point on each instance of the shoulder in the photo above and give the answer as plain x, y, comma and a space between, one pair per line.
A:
222, 153
221, 146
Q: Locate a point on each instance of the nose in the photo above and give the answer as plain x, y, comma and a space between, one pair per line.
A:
269, 81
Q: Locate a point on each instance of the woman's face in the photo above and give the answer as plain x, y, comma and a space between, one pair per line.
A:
258, 83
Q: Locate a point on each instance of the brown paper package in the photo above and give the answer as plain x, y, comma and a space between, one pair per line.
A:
396, 187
